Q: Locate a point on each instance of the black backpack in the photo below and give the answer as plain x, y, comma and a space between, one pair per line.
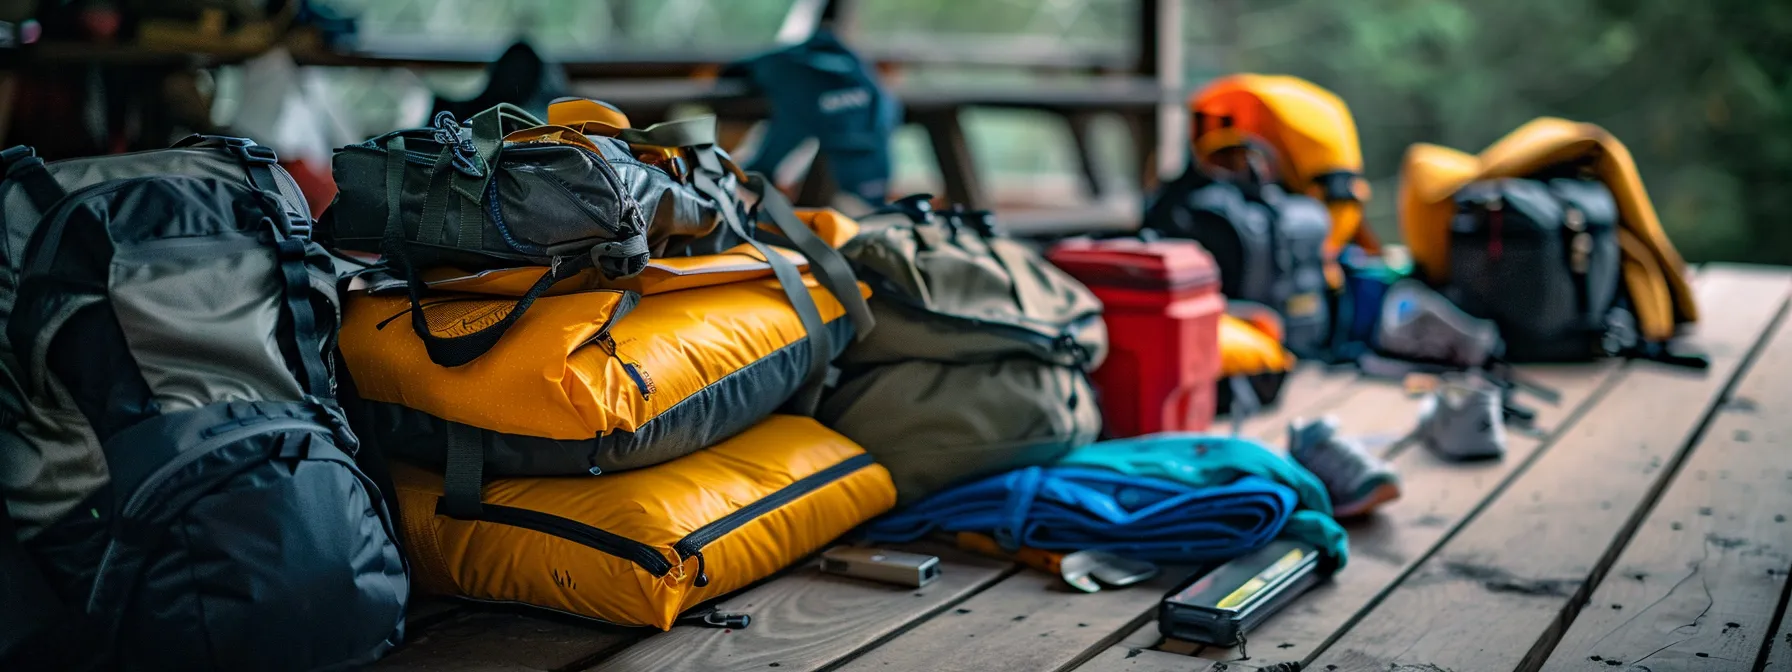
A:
1540, 259
1268, 243
179, 330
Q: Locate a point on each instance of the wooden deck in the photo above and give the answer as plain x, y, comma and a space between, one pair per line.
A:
1645, 528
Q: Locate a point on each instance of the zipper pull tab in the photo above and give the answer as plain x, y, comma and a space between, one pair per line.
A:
727, 619
702, 572
608, 343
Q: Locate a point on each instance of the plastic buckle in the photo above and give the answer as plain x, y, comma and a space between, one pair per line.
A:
291, 226
16, 153
253, 153
298, 228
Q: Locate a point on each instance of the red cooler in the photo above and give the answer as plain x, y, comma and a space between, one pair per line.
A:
1163, 308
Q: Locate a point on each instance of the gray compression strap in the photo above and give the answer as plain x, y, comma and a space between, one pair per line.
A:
829, 267
693, 132
821, 343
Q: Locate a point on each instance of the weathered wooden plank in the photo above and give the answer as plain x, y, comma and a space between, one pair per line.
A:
1310, 389
1497, 595
1437, 497
1779, 646
1698, 586
501, 641
1122, 658
1029, 621
806, 620
426, 611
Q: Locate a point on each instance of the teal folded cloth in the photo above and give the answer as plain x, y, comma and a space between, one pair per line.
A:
1205, 460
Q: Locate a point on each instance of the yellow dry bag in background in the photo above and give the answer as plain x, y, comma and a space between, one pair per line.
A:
1652, 272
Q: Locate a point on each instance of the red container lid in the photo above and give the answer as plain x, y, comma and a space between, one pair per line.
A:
1130, 262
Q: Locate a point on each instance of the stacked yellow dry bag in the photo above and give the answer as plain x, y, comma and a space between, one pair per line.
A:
579, 343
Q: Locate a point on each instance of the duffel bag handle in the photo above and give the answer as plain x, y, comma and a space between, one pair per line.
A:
597, 118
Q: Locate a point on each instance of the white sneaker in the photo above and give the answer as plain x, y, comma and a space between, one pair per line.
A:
1463, 419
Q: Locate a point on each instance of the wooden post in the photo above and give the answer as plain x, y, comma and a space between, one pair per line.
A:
1082, 134
1160, 58
957, 169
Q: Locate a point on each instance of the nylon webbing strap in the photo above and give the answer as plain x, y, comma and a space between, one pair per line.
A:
307, 334
30, 173
464, 475
450, 350
472, 225
828, 266
821, 343
431, 227
392, 243
692, 132
459, 350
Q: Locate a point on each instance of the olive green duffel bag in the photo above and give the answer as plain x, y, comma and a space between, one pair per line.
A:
980, 358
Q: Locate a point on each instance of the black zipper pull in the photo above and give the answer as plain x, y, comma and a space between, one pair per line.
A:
727, 619
608, 343
702, 572
716, 618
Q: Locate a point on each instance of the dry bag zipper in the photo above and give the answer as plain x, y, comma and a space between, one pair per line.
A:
572, 530
691, 545
608, 343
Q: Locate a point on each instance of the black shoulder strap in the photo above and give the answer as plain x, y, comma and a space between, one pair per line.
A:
460, 350
23, 166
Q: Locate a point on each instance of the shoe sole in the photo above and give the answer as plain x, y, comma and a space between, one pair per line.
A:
1382, 494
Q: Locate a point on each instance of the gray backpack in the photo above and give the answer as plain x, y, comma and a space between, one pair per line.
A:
171, 340
980, 357
1269, 245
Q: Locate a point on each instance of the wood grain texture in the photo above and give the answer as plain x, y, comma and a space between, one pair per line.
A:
1437, 497
1311, 388
806, 620
424, 612
1029, 621
1134, 659
1697, 588
1496, 595
1779, 646
486, 640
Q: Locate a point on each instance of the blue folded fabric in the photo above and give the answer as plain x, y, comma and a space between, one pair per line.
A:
1078, 508
1207, 460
